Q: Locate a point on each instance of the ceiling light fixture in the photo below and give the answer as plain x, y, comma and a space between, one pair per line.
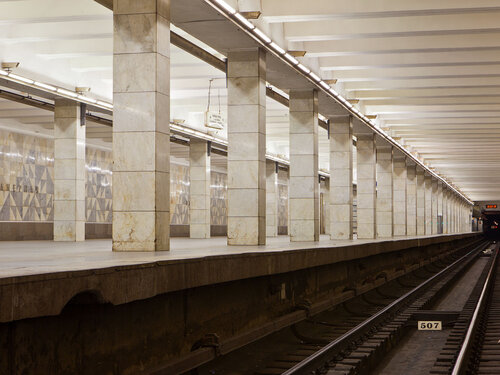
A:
288, 56
45, 86
105, 104
244, 21
297, 53
314, 76
8, 66
277, 48
324, 85
292, 59
304, 68
251, 15
22, 79
225, 6
84, 98
67, 92
262, 36
334, 92
78, 95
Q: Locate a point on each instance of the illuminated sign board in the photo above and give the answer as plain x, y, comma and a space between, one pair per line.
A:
491, 206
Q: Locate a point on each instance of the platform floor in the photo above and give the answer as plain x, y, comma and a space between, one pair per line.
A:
22, 258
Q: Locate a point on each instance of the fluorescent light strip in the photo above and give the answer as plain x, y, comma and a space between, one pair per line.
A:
22, 79
45, 86
262, 36
189, 131
67, 92
292, 59
304, 68
225, 6
314, 76
277, 48
52, 89
85, 99
325, 85
105, 104
244, 21
334, 92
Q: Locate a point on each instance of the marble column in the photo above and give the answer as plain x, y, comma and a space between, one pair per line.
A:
383, 206
445, 210
451, 219
428, 205
420, 202
451, 229
450, 213
141, 129
199, 190
411, 198
304, 187
469, 219
399, 179
326, 199
440, 206
246, 147
341, 193
69, 172
462, 205
434, 207
271, 198
454, 214
366, 189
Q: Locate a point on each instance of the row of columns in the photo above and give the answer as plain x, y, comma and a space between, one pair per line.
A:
395, 197
141, 153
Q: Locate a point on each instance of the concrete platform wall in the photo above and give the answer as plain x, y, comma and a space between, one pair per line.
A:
228, 296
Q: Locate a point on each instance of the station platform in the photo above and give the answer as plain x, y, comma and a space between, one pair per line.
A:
38, 278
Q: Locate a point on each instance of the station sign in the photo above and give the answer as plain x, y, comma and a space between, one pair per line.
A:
214, 120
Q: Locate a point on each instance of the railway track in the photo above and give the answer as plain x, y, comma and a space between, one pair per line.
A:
359, 350
478, 351
351, 338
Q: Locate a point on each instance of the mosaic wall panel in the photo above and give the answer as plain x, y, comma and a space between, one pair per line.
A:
179, 194
26, 177
218, 196
27, 185
282, 198
98, 199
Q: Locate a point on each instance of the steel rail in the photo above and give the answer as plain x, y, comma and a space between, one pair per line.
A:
321, 357
461, 363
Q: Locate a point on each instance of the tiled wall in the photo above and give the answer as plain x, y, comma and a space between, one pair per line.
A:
282, 199
98, 199
26, 177
218, 197
179, 194
27, 187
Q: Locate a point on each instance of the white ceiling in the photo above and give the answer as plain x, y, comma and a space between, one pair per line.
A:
430, 70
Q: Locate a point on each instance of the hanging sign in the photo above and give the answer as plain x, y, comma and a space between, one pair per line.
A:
214, 120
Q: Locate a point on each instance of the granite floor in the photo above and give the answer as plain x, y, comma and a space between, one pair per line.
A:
21, 258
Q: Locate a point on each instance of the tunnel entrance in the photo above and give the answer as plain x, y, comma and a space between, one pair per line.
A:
491, 224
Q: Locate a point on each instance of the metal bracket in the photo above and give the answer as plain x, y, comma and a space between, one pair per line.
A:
83, 114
